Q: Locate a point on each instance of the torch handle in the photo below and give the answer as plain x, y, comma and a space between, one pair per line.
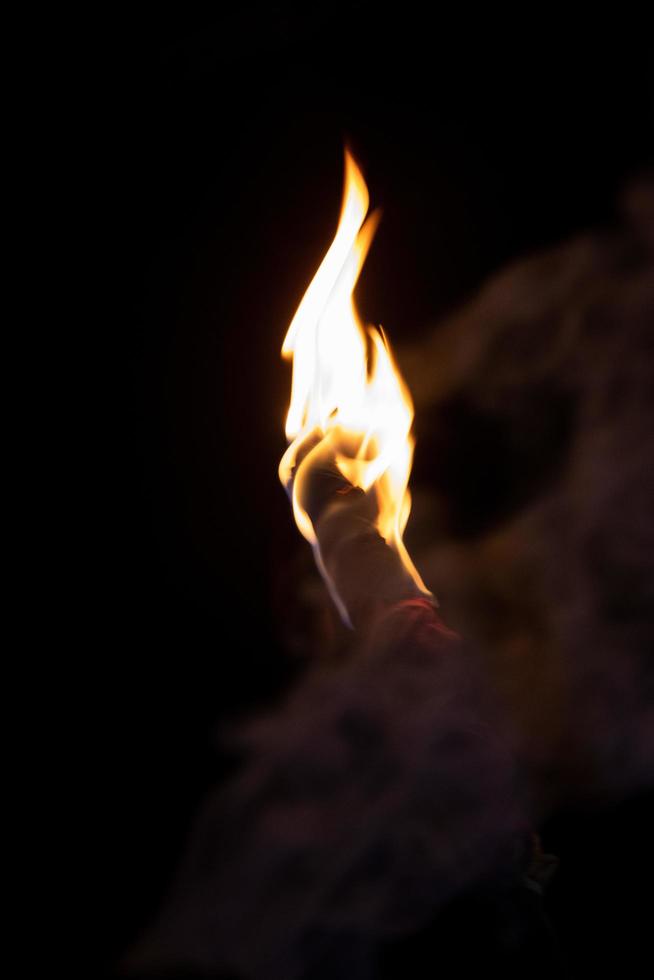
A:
367, 573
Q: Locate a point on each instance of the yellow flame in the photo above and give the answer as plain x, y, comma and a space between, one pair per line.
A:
345, 378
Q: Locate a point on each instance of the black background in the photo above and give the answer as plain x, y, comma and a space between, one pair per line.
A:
216, 150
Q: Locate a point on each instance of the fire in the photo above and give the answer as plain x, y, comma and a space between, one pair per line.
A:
346, 382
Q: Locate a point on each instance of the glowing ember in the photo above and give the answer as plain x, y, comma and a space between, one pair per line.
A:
346, 386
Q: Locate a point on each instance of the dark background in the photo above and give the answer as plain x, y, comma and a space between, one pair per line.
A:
213, 192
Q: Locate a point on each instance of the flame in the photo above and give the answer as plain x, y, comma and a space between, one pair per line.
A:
346, 382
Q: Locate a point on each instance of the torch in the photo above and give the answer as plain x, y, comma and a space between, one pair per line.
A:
347, 465
372, 796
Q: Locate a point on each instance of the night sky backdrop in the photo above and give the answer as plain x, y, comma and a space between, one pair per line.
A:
216, 192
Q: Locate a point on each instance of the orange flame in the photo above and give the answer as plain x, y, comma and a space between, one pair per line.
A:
345, 378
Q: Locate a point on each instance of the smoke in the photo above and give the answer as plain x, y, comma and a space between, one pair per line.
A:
538, 528
380, 790
394, 777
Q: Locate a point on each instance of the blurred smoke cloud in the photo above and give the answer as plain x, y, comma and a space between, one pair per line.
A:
537, 401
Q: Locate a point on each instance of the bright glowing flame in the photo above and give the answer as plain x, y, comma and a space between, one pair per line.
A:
345, 378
